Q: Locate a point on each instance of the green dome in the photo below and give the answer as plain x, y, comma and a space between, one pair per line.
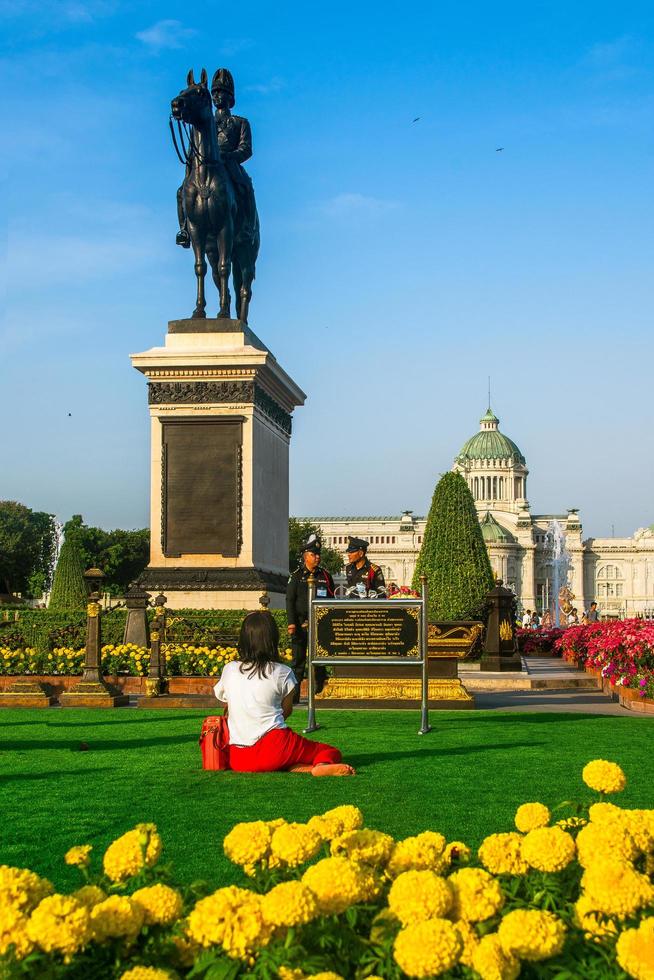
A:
494, 533
490, 443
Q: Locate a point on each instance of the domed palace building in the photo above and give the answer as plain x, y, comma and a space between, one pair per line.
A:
617, 573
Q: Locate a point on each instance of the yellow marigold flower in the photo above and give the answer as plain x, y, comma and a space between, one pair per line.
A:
13, 931
161, 905
531, 934
548, 849
501, 854
600, 812
616, 888
640, 825
364, 846
597, 841
635, 950
604, 777
456, 852
371, 882
571, 823
231, 917
79, 856
325, 975
89, 895
116, 916
492, 963
286, 973
326, 827
470, 941
595, 925
22, 888
424, 852
146, 973
295, 844
127, 855
427, 949
477, 895
337, 883
59, 924
290, 904
530, 816
347, 816
419, 895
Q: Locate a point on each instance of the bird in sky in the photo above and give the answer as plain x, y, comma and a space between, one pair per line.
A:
70, 415
498, 149
416, 119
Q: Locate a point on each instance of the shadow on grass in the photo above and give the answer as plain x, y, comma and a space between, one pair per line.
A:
27, 776
358, 758
98, 745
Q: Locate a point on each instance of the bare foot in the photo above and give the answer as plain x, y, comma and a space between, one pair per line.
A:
300, 769
333, 769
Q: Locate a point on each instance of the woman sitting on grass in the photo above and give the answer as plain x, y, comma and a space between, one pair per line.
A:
258, 691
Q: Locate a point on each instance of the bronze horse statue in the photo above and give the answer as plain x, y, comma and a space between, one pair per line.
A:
210, 203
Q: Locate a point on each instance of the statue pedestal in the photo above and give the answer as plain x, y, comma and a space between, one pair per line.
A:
220, 409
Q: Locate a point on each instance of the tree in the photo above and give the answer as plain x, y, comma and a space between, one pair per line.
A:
453, 555
28, 542
298, 532
122, 555
69, 588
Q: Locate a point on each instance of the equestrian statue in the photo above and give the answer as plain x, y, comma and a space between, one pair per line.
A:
216, 208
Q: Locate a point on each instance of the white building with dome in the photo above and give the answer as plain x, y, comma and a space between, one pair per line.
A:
617, 573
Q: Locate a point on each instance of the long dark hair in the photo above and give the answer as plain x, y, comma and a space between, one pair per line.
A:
258, 644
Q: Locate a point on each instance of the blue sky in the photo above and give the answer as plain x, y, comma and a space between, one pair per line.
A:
401, 263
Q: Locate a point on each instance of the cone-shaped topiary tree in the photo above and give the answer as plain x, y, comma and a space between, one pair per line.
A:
68, 586
453, 555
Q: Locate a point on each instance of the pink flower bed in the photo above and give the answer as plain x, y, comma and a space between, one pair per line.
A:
622, 650
538, 641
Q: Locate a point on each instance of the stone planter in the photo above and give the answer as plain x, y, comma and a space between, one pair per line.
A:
644, 705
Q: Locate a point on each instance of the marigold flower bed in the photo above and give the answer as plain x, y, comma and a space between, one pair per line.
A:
568, 893
124, 658
620, 651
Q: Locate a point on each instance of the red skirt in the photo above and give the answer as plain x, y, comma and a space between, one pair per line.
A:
280, 749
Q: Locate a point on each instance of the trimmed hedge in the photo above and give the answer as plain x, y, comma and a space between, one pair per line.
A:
44, 629
453, 555
68, 586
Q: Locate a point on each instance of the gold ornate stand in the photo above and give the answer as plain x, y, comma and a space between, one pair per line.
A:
395, 692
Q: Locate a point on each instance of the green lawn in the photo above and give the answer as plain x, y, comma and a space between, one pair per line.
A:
465, 778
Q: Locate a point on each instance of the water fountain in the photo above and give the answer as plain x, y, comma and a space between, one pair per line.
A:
559, 561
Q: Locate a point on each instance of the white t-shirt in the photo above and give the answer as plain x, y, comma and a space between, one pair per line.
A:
255, 703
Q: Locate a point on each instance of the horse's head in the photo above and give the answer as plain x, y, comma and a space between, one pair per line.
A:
193, 104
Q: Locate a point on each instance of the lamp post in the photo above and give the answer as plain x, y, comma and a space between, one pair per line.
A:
157, 637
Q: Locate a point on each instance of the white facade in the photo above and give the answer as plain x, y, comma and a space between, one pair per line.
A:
618, 573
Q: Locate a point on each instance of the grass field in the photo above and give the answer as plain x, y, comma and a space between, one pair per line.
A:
465, 778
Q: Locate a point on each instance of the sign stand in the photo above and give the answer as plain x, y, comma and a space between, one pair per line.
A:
417, 608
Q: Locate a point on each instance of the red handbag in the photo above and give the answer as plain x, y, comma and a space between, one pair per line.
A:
214, 742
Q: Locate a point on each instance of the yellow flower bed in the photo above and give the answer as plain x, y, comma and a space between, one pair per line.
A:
330, 899
124, 658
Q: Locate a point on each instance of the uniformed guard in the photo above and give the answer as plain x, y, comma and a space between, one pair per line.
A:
297, 607
360, 572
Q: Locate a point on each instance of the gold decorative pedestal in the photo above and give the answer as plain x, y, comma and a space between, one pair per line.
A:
25, 693
394, 692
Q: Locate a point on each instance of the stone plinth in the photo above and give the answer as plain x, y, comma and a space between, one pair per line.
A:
220, 411
92, 694
25, 692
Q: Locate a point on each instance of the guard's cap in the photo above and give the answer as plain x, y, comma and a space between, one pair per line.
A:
356, 544
312, 544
